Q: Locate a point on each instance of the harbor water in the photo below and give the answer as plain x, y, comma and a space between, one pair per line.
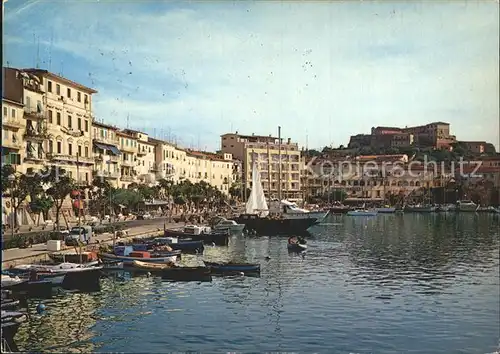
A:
386, 284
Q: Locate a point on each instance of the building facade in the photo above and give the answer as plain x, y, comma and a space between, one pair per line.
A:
106, 153
145, 160
265, 152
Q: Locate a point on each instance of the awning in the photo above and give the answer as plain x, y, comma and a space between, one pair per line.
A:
111, 148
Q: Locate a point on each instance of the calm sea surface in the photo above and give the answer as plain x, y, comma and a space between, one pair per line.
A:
388, 284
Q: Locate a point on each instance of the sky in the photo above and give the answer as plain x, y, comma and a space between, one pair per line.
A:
191, 71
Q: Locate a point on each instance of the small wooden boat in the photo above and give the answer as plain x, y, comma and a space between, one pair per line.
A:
32, 288
233, 267
11, 320
151, 267
187, 273
362, 212
111, 258
386, 210
296, 244
200, 233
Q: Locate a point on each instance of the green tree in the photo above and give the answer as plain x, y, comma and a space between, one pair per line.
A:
61, 186
41, 205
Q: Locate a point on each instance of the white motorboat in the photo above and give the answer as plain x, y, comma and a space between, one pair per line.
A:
8, 281
290, 210
420, 208
230, 225
467, 206
362, 212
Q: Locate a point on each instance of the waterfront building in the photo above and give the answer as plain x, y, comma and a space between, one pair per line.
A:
128, 146
145, 161
106, 152
264, 150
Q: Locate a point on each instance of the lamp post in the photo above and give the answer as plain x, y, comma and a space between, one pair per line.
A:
11, 178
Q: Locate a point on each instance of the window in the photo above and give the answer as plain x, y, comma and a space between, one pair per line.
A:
5, 111
86, 125
51, 146
50, 116
58, 89
70, 122
79, 97
49, 86
69, 92
86, 151
86, 99
79, 150
13, 113
79, 123
70, 149
86, 176
28, 103
59, 147
58, 118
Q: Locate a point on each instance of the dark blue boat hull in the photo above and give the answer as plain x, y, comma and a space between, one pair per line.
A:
223, 268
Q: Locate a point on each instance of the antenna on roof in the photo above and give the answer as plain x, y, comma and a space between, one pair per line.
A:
38, 54
34, 43
62, 68
128, 120
50, 47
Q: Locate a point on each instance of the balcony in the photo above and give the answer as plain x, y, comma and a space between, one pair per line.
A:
36, 134
128, 163
142, 152
31, 157
129, 148
125, 178
12, 123
34, 113
12, 144
106, 174
107, 141
105, 158
72, 131
70, 158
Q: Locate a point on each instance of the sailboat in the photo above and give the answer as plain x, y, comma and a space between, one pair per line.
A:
257, 217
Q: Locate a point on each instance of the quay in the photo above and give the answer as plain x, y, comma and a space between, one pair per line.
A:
38, 252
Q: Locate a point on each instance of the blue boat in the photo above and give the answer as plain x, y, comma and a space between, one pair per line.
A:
186, 246
111, 258
233, 267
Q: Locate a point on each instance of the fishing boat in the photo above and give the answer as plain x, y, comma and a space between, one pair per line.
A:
339, 209
258, 220
150, 267
200, 233
420, 208
176, 245
11, 320
111, 258
467, 206
233, 267
297, 244
231, 225
362, 212
31, 287
386, 210
187, 273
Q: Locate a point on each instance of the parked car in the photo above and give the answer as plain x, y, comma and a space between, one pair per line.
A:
144, 216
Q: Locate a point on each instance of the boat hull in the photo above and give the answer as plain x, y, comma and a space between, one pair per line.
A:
187, 274
111, 258
317, 215
88, 279
149, 267
340, 210
188, 246
420, 209
233, 267
272, 227
232, 228
37, 288
296, 247
385, 210
362, 213
220, 237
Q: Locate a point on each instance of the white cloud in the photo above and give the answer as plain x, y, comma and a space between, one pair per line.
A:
333, 69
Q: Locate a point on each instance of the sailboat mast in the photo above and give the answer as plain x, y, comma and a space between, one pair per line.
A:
279, 165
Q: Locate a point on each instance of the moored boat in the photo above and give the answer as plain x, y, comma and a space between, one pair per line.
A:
200, 233
31, 287
386, 210
271, 226
11, 320
233, 267
420, 208
467, 206
151, 267
339, 209
111, 258
231, 225
297, 244
362, 212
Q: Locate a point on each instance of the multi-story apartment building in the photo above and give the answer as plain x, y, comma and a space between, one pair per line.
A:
265, 151
106, 153
128, 148
145, 162
13, 123
66, 138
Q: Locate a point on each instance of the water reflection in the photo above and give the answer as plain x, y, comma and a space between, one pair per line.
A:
384, 284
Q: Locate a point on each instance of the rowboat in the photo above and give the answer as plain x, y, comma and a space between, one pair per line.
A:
297, 244
150, 267
233, 267
111, 258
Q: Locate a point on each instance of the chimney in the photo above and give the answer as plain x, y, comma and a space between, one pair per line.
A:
289, 141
